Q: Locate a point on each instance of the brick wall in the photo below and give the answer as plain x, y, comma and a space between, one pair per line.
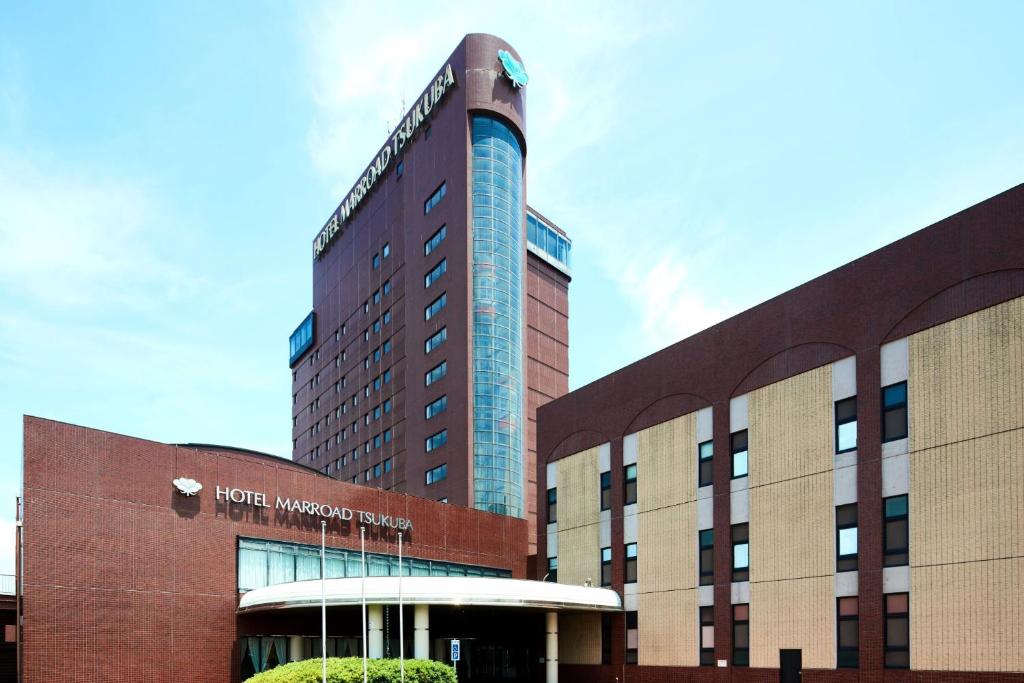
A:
128, 580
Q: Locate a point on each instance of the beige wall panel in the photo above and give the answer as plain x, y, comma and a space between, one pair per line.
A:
667, 624
797, 614
579, 555
967, 617
667, 463
967, 501
667, 549
579, 638
790, 433
579, 552
967, 377
792, 529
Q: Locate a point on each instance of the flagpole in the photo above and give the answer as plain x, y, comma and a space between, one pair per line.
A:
323, 599
401, 616
362, 546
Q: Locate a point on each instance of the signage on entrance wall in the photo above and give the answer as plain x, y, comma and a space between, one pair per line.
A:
256, 499
405, 132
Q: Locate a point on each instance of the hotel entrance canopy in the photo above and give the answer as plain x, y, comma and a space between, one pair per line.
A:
456, 591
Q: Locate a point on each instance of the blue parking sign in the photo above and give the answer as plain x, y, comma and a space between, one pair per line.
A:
456, 646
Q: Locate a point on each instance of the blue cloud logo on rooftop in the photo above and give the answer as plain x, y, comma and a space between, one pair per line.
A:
513, 69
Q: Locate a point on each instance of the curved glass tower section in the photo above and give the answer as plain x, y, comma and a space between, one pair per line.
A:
497, 318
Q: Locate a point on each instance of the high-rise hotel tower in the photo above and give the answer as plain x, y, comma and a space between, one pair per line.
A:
440, 303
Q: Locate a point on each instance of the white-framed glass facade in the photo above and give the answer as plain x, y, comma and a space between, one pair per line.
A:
266, 563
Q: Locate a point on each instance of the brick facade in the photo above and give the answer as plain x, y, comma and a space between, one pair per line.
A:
969, 262
127, 580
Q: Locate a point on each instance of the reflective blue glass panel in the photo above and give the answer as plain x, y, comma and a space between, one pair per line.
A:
497, 318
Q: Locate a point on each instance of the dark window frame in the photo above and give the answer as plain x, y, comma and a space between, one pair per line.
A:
847, 656
740, 655
895, 407
435, 197
900, 616
735, 450
705, 469
900, 555
838, 408
846, 563
629, 491
739, 534
606, 490
606, 566
629, 574
705, 617
706, 542
552, 504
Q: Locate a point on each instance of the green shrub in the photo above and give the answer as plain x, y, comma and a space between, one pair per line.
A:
350, 670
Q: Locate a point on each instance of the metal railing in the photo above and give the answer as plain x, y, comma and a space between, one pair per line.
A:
7, 584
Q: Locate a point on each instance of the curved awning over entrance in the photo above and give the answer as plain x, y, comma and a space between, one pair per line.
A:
434, 590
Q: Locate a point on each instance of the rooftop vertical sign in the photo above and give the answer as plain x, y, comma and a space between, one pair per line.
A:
405, 132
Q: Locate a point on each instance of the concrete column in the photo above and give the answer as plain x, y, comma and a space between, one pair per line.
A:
375, 625
551, 648
295, 648
421, 632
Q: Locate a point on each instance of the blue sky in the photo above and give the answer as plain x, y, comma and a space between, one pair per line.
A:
164, 168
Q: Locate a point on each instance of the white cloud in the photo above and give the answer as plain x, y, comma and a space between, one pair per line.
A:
72, 238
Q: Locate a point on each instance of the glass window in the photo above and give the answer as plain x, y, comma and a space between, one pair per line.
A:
897, 631
741, 635
705, 454
894, 412
434, 199
552, 570
436, 407
437, 474
606, 566
630, 563
606, 490
896, 537
435, 306
376, 261
846, 425
387, 249
435, 441
846, 538
630, 484
739, 454
435, 239
740, 553
435, 273
707, 636
498, 345
552, 505
847, 636
435, 340
436, 373
706, 542
301, 340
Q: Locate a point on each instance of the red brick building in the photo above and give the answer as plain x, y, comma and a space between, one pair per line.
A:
439, 316
127, 579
